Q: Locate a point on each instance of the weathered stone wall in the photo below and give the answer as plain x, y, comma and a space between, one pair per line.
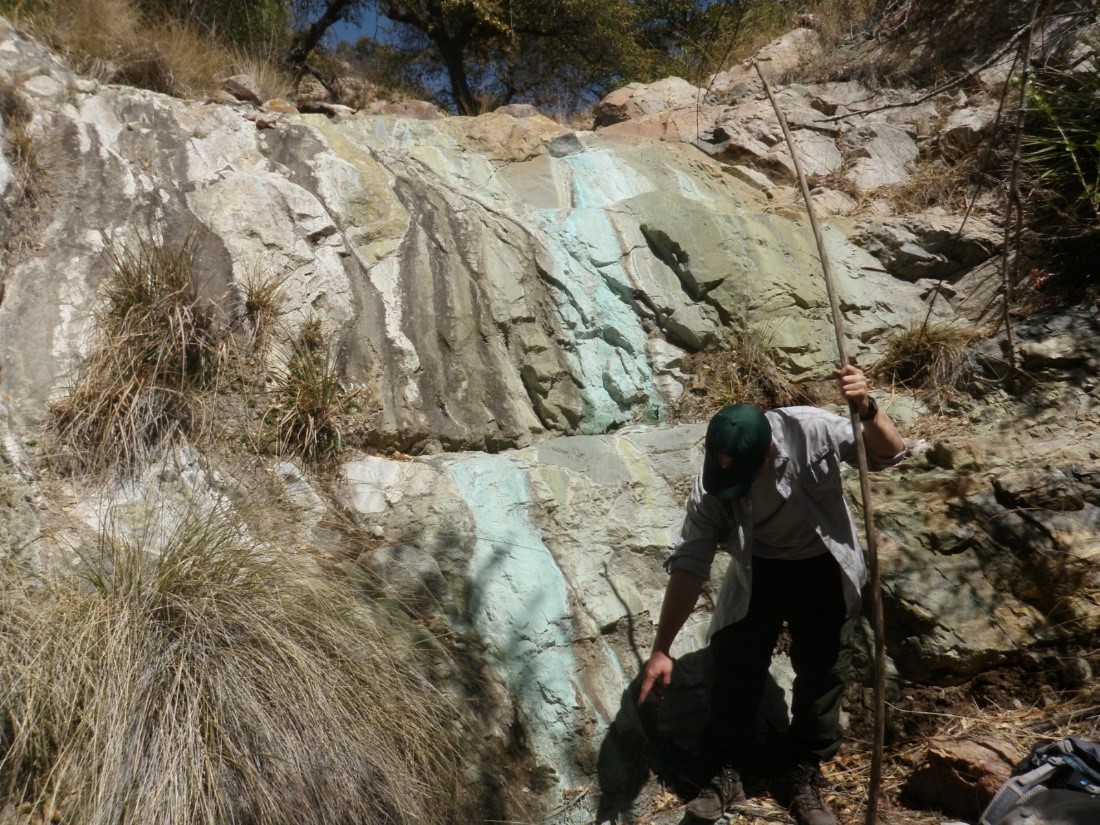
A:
517, 299
492, 279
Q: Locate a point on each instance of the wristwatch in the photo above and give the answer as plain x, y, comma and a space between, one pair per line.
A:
872, 410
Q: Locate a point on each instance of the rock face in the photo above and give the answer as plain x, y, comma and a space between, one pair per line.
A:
489, 286
517, 300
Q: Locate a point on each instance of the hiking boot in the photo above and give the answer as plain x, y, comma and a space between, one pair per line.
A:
804, 786
723, 790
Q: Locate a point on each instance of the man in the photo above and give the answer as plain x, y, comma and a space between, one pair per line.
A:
769, 491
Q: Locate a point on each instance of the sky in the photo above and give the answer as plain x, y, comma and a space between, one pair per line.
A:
371, 24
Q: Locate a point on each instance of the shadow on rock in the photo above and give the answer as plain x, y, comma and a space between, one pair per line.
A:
667, 737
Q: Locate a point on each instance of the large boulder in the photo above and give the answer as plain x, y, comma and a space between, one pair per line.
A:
882, 156
636, 100
932, 246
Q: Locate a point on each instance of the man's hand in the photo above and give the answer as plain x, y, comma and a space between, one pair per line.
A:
658, 675
879, 433
854, 386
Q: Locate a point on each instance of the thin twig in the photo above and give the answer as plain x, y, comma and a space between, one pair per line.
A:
977, 191
1013, 195
760, 812
951, 84
572, 803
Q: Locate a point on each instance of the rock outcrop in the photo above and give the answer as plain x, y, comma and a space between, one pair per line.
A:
516, 300
493, 279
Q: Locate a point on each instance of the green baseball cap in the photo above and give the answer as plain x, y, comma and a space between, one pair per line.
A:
743, 432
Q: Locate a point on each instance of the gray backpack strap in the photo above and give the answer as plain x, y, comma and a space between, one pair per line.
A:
1014, 791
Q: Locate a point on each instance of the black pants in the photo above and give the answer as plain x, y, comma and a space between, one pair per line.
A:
809, 597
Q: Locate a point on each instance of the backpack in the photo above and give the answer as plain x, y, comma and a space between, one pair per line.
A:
1057, 784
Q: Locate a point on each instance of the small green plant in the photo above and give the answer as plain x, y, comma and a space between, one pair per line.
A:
1062, 162
189, 675
157, 347
311, 406
933, 357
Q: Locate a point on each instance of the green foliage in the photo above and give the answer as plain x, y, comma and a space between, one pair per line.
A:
188, 675
254, 26
564, 55
157, 346
311, 407
1062, 157
558, 55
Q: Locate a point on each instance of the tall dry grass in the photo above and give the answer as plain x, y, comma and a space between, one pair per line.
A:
746, 370
740, 30
158, 346
310, 408
191, 676
935, 357
119, 41
19, 147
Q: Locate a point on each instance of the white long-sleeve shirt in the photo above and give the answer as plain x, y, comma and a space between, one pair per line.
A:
810, 444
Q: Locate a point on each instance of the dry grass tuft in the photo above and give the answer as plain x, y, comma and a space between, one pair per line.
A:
15, 110
23, 157
120, 41
158, 346
934, 357
88, 31
937, 182
746, 370
177, 59
262, 304
759, 22
310, 409
163, 358
188, 675
272, 81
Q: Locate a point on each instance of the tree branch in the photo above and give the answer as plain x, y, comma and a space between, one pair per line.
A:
306, 42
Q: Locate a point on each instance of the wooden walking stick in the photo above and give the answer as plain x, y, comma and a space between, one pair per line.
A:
864, 484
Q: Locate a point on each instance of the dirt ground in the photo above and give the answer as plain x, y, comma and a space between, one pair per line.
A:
1048, 698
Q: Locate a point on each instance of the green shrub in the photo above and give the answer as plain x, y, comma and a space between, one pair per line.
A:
1062, 159
188, 675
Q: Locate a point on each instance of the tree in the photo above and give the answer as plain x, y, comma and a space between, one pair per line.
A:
492, 51
489, 52
255, 26
307, 39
